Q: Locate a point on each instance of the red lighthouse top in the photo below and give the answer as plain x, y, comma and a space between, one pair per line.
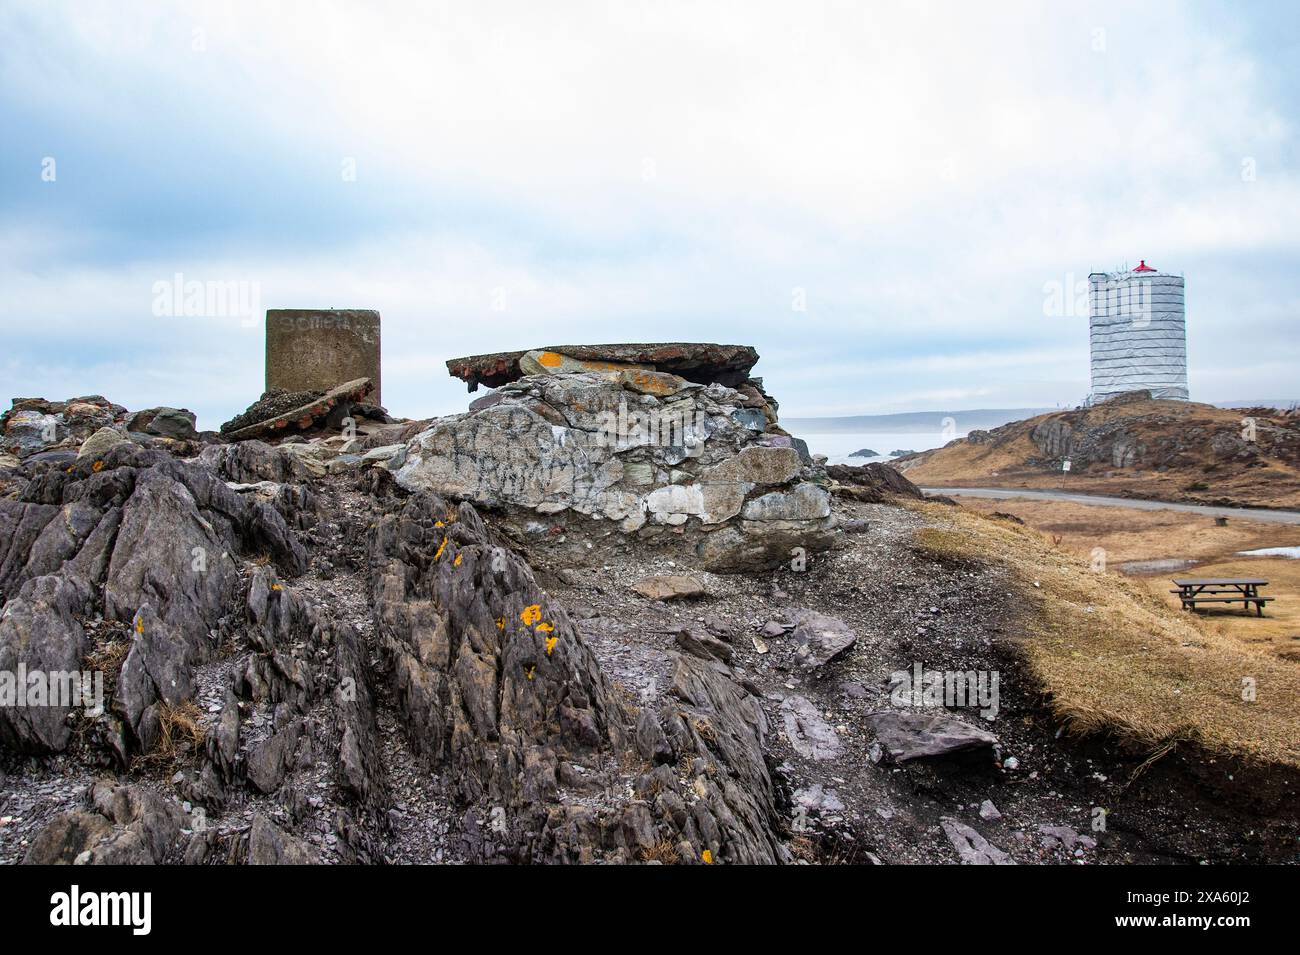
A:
1143, 267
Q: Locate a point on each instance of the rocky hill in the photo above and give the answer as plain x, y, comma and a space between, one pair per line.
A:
1132, 446
608, 614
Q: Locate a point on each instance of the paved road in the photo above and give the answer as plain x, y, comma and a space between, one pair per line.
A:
1001, 493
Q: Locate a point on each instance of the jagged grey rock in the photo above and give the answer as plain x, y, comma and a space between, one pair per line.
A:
819, 639
124, 825
810, 735
99, 443
972, 848
907, 736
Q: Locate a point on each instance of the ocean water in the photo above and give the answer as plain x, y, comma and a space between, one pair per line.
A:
839, 445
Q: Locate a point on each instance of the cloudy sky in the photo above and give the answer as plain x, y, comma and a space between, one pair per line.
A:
881, 197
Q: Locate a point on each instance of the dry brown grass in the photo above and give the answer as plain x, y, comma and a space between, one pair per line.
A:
1278, 631
801, 847
664, 851
1128, 534
1133, 534
1114, 658
181, 735
107, 659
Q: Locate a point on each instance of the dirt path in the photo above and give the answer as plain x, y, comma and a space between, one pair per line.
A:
1266, 515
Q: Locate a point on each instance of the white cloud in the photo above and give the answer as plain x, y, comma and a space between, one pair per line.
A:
648, 171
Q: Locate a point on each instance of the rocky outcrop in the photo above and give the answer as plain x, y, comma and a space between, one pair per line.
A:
649, 450
1132, 445
122, 825
497, 686
34, 425
143, 540
871, 483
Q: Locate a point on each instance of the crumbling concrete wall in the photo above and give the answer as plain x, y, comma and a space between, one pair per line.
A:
312, 349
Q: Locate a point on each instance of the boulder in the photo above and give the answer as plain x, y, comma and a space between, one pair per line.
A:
99, 443
702, 645
972, 848
124, 825
810, 735
26, 432
819, 639
268, 844
588, 439
906, 736
177, 423
670, 587
872, 483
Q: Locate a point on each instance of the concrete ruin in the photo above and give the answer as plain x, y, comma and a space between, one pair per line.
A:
309, 349
698, 362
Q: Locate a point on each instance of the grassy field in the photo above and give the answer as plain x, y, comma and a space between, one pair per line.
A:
1114, 656
1126, 536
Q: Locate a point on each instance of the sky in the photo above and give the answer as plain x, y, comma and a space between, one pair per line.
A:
886, 200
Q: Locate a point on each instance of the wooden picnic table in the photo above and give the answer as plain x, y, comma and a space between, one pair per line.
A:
1202, 590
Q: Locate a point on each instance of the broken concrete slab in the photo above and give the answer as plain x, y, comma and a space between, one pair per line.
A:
300, 418
699, 362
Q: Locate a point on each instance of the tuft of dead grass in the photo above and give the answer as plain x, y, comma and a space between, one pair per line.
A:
663, 851
107, 658
181, 735
1113, 658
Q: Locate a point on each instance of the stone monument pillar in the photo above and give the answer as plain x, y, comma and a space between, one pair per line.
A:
311, 349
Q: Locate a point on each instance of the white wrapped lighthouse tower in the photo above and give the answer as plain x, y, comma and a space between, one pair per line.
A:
1137, 330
